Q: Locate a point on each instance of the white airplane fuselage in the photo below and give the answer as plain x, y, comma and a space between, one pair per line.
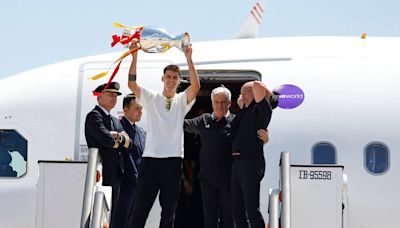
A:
350, 100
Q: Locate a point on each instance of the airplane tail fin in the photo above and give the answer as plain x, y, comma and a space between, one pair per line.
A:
251, 25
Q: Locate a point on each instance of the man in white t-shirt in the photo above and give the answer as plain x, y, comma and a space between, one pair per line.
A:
161, 166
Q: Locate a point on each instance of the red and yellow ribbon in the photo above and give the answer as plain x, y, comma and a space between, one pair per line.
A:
122, 40
102, 74
126, 39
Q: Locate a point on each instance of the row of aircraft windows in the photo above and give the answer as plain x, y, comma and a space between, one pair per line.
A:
13, 155
376, 156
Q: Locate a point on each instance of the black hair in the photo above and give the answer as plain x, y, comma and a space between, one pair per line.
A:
126, 103
174, 68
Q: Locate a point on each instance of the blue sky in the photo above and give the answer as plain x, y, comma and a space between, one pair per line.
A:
40, 32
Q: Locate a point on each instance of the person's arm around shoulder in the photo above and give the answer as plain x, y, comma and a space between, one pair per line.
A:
193, 125
194, 88
260, 91
132, 84
263, 135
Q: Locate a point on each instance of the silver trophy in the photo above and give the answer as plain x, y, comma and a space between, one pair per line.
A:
158, 40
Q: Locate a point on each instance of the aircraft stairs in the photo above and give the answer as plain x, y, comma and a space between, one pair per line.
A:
63, 186
95, 207
311, 196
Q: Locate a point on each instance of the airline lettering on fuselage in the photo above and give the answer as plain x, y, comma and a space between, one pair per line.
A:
290, 96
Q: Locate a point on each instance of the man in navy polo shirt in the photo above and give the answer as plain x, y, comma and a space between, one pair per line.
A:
247, 150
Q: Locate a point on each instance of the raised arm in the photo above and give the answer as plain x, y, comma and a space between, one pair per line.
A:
260, 91
240, 102
132, 84
193, 89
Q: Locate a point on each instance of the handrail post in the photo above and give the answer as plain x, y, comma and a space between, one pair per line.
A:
273, 208
285, 188
345, 204
97, 210
91, 173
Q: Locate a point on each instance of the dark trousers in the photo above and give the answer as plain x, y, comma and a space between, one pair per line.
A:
246, 177
114, 204
157, 174
125, 203
216, 195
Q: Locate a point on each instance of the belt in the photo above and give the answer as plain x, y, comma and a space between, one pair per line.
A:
236, 156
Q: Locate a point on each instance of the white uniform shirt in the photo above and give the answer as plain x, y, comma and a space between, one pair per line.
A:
164, 127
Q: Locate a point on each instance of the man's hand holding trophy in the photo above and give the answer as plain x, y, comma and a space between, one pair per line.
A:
149, 39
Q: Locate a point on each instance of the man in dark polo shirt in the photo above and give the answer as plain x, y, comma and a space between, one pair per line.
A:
216, 158
249, 164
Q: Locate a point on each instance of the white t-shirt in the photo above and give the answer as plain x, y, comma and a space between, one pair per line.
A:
164, 127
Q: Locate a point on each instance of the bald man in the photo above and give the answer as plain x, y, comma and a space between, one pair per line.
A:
248, 156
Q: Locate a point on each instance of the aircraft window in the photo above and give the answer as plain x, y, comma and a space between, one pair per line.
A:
376, 158
323, 153
13, 154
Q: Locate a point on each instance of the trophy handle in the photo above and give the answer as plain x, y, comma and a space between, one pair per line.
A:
185, 41
126, 32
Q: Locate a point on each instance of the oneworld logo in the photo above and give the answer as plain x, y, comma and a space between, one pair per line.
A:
290, 96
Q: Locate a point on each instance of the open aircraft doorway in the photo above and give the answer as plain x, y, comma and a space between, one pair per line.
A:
189, 212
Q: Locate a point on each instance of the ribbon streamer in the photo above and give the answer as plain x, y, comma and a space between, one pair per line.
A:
124, 39
118, 25
102, 74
